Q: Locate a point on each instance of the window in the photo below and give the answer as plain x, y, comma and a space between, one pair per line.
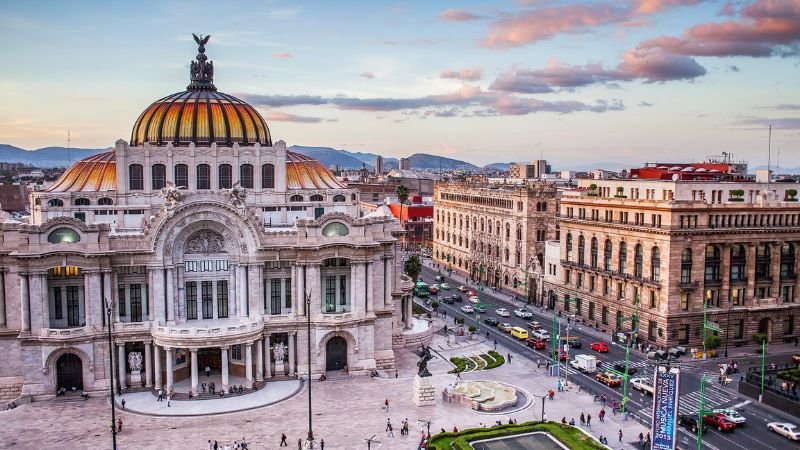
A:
275, 296
158, 178
607, 256
207, 293
620, 291
296, 198
763, 258
591, 310
654, 299
59, 314
222, 299
136, 302
683, 334
738, 271
638, 256
55, 203
341, 198
330, 294
787, 261
191, 300
569, 247
135, 177
737, 296
181, 175
342, 290
787, 293
316, 198
288, 283
203, 176
581, 250
606, 286
82, 202
738, 329
655, 264
593, 256
604, 315
684, 301
63, 236
788, 325
623, 257
225, 175
712, 297
105, 201
246, 176
712, 269
267, 176
73, 307
686, 266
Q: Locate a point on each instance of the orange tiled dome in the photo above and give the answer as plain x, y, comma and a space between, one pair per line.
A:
303, 172
93, 174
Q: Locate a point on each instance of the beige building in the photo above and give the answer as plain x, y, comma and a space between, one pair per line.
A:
676, 246
494, 233
532, 170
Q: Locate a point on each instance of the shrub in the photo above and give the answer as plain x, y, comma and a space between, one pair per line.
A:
472, 328
760, 338
571, 437
460, 319
791, 195
498, 360
460, 363
713, 341
435, 305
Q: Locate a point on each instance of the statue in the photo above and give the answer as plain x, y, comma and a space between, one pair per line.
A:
237, 194
135, 361
205, 241
171, 195
424, 353
201, 71
279, 350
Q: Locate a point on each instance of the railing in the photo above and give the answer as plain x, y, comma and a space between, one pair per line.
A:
67, 333
209, 331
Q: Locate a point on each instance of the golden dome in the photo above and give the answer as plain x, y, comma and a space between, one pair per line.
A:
93, 174
303, 172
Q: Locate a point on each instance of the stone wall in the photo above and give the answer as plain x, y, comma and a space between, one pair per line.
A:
10, 388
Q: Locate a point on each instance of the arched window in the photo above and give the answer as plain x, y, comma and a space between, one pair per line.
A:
135, 177
544, 206
181, 175
334, 229
593, 256
507, 255
63, 235
655, 264
339, 198
497, 228
82, 202
581, 250
267, 176
686, 266
296, 198
203, 176
713, 262
55, 203
158, 176
317, 198
352, 197
508, 231
638, 256
623, 257
105, 201
569, 247
607, 254
246, 176
225, 176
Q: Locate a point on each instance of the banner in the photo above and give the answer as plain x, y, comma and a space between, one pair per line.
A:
665, 408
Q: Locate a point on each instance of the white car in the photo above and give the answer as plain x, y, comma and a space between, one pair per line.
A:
541, 334
444, 286
733, 416
467, 309
787, 430
463, 288
502, 312
642, 384
523, 313
474, 299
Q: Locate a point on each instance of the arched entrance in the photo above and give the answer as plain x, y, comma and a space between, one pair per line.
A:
336, 353
765, 326
69, 372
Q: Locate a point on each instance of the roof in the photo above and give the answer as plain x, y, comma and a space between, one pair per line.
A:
303, 172
92, 174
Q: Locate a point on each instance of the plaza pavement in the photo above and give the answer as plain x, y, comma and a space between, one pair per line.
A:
345, 412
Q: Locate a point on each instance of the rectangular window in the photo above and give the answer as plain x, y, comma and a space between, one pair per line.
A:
342, 290
275, 296
121, 305
591, 284
787, 294
222, 299
225, 175
591, 310
207, 293
651, 329
159, 176
685, 301
737, 297
181, 175
788, 325
604, 315
653, 299
683, 334
738, 329
246, 176
136, 302
190, 294
236, 352
57, 303
203, 176
73, 307
606, 286
288, 283
330, 294
620, 291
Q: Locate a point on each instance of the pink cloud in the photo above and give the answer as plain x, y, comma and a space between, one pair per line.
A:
368, 75
278, 116
469, 74
458, 15
282, 55
655, 65
654, 6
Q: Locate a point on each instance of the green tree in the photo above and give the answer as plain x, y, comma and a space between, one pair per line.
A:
413, 267
402, 196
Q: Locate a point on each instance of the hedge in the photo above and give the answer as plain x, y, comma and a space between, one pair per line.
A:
498, 360
567, 435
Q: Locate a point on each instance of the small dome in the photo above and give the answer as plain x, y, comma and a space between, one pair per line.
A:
303, 172
92, 174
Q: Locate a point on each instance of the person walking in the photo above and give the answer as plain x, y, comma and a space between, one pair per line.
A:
283, 441
588, 420
583, 419
509, 358
299, 444
391, 431
322, 444
386, 404
123, 404
388, 424
602, 414
620, 435
396, 374
160, 395
119, 425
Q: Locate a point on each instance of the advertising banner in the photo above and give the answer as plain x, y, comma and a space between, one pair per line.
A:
665, 408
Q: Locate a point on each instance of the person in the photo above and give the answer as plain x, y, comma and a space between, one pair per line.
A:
551, 394
396, 374
283, 441
216, 445
123, 404
588, 420
772, 366
572, 421
495, 344
583, 419
322, 444
160, 395
509, 358
391, 431
299, 444
559, 386
85, 395
602, 415
564, 420
119, 425
388, 424
455, 429
603, 399
208, 371
647, 440
386, 404
620, 435
641, 438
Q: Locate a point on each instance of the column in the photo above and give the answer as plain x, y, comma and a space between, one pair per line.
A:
388, 273
409, 311
368, 306
170, 295
775, 270
248, 360
152, 276
224, 368
42, 308
751, 271
92, 300
159, 293
193, 351
313, 288
233, 303
3, 297
725, 274
170, 367
148, 364
354, 289
157, 364
268, 357
291, 349
123, 379
241, 290
254, 282
260, 360
300, 298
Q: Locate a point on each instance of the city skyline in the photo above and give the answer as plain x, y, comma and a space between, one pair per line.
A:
571, 81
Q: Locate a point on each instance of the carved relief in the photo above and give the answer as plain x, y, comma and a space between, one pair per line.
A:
205, 241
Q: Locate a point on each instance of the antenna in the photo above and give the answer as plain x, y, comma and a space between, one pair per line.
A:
769, 153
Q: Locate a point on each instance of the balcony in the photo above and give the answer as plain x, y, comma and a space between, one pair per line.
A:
688, 285
713, 282
207, 332
68, 333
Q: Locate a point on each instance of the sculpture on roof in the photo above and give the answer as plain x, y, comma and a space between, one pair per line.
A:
171, 195
201, 72
237, 195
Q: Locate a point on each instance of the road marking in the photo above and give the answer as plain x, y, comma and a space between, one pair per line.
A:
694, 436
744, 403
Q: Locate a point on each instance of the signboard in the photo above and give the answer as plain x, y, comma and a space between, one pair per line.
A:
713, 326
665, 408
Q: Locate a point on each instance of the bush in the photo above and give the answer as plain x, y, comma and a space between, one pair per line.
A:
760, 338
460, 319
460, 363
498, 360
713, 341
435, 305
472, 328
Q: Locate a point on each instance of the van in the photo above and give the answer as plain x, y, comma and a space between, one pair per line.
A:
519, 333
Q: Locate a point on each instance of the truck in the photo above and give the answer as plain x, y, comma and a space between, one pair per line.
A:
584, 363
643, 384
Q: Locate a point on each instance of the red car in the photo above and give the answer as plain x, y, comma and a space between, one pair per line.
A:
601, 347
719, 421
536, 343
562, 355
796, 358
472, 294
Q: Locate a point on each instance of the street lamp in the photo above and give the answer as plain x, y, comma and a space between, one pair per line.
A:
371, 440
427, 424
109, 309
310, 438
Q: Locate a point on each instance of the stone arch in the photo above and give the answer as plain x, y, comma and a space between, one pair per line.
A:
352, 349
50, 369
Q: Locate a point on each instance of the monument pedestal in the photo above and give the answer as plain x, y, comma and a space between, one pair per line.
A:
424, 391
280, 369
136, 378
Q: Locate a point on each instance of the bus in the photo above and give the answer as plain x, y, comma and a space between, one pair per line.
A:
422, 289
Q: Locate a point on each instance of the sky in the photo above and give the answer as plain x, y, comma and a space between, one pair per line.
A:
626, 81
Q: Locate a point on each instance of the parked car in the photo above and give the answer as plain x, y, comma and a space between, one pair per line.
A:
645, 385
534, 325
448, 300
785, 429
473, 299
719, 421
480, 309
467, 309
444, 286
491, 321
505, 326
541, 334
523, 313
609, 379
601, 347
689, 422
562, 355
502, 312
732, 415
463, 288
620, 367
574, 342
677, 352
472, 293
439, 278
536, 343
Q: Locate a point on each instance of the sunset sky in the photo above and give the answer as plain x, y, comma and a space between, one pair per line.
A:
575, 82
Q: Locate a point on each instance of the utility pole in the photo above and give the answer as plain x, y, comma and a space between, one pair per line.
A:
763, 360
567, 301
310, 437
634, 319
701, 412
427, 424
109, 310
708, 326
372, 440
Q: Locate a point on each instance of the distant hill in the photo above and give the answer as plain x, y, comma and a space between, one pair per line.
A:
497, 166
433, 162
46, 157
330, 156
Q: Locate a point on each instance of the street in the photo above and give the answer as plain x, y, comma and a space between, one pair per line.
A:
753, 435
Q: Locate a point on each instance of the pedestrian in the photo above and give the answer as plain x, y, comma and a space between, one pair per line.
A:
216, 445
210, 445
641, 438
208, 371
588, 420
123, 404
283, 441
620, 435
495, 344
160, 395
119, 425
602, 414
538, 363
388, 424
583, 419
509, 358
386, 404
299, 444
391, 431
396, 374
603, 399
322, 444
169, 399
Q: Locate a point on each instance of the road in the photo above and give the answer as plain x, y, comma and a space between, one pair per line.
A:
754, 435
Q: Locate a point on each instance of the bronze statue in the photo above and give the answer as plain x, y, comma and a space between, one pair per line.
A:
424, 353
201, 42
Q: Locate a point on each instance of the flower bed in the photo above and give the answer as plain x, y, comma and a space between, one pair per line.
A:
571, 437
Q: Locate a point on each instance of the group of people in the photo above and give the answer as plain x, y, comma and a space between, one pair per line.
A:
283, 443
237, 445
644, 442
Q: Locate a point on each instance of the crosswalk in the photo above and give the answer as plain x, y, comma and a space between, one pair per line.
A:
714, 398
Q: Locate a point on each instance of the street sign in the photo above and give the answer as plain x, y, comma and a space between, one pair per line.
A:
713, 326
566, 347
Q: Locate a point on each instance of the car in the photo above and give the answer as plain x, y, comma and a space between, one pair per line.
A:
502, 312
689, 422
536, 343
732, 415
534, 325
467, 309
433, 290
541, 334
573, 342
473, 299
609, 379
719, 421
457, 298
645, 385
448, 300
677, 352
463, 288
523, 313
491, 321
505, 326
472, 293
659, 355
599, 346
444, 286
439, 278
787, 430
620, 367
480, 309
562, 355
796, 358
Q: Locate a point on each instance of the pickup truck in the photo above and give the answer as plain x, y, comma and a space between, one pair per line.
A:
642, 384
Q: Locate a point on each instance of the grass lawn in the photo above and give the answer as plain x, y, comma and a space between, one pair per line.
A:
567, 435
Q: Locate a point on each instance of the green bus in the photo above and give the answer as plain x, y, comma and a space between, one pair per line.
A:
422, 289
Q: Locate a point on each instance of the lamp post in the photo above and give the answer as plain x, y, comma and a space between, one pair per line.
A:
427, 424
544, 398
634, 319
728, 330
371, 440
310, 438
109, 309
763, 361
567, 301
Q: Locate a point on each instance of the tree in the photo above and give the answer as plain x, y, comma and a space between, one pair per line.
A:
413, 267
402, 196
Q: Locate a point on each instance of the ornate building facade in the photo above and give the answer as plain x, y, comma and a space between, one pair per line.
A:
675, 246
212, 245
495, 233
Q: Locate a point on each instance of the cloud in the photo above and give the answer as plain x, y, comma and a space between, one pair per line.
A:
783, 107
645, 104
277, 101
458, 15
473, 74
785, 123
654, 6
654, 65
278, 116
369, 75
282, 55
